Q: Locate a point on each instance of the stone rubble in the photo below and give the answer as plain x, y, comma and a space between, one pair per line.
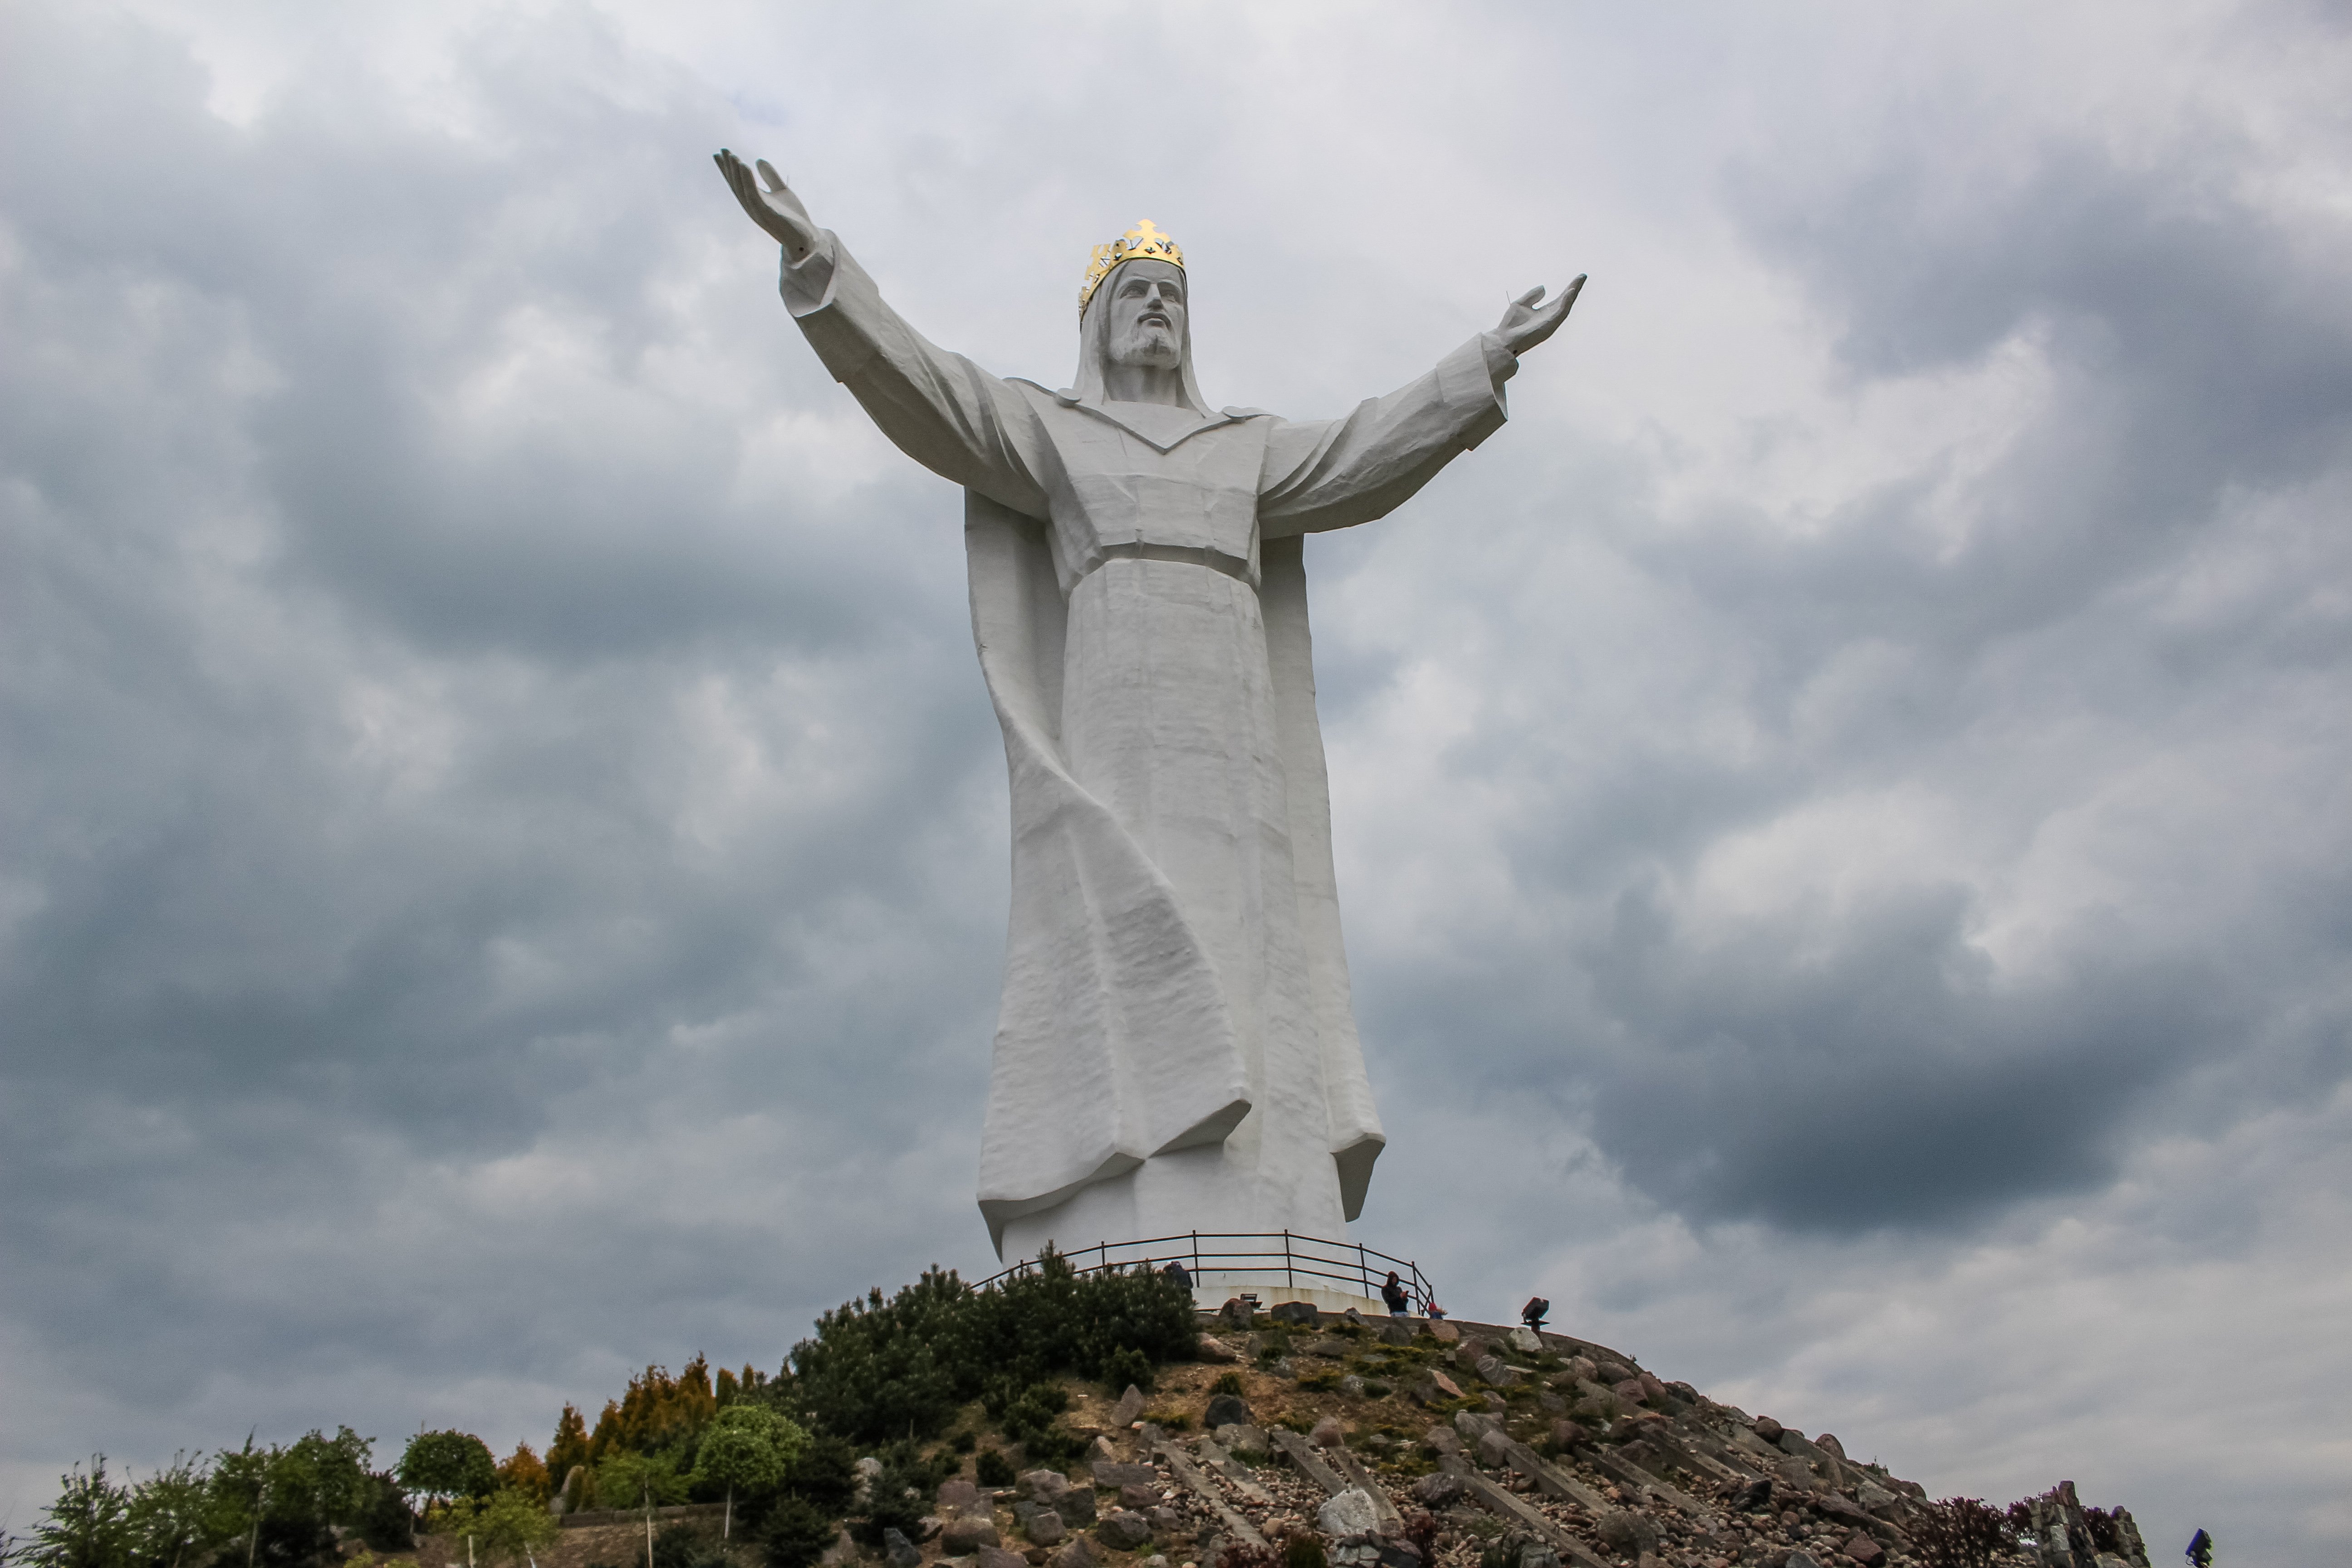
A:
1440, 1469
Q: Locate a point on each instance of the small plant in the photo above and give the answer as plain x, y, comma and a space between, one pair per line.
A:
992, 1469
795, 1534
1126, 1366
1304, 1550
1377, 1390
1299, 1421
1170, 1420
1962, 1532
964, 1442
1320, 1382
1229, 1382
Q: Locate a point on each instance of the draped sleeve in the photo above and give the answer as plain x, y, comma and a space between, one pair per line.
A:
1336, 473
940, 409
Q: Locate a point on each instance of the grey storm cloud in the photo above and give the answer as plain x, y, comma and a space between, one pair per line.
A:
1840, 801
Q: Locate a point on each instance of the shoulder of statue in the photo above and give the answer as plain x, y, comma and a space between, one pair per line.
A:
1247, 413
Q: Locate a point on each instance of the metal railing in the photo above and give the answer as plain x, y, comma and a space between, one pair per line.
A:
1268, 1260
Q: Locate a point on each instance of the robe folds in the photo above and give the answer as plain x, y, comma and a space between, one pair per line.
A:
1176, 1049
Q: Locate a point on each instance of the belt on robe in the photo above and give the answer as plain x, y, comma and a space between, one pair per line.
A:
1232, 566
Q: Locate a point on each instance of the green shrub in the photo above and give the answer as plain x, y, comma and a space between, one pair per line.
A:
1229, 1382
992, 1469
878, 1370
824, 1475
1320, 1382
964, 1442
1304, 1552
1125, 1367
795, 1534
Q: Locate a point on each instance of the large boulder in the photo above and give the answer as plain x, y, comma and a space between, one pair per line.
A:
957, 1495
1438, 1490
1076, 1555
899, 1552
1129, 1408
1225, 1410
962, 1537
998, 1557
1300, 1314
1764, 1427
1350, 1513
1213, 1348
1528, 1339
1329, 1434
1444, 1332
1046, 1528
1125, 1530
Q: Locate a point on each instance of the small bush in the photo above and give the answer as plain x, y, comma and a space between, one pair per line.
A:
1320, 1382
1304, 1552
964, 1442
1170, 1420
1125, 1366
796, 1535
992, 1469
1962, 1532
1229, 1382
1377, 1390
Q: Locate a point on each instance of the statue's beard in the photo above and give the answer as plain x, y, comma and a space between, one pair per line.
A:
1147, 344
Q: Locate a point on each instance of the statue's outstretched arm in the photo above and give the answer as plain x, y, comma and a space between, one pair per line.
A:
775, 209
938, 408
1526, 323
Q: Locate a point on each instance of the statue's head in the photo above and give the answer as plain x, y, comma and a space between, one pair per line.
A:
1147, 315
1133, 309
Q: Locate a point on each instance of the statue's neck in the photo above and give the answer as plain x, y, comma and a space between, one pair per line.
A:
1143, 384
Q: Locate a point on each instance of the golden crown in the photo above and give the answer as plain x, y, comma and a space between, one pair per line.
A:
1142, 242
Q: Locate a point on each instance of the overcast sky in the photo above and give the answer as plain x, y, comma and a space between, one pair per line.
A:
1842, 805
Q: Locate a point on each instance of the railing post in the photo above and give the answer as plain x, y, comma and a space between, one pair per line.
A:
1289, 1280
1363, 1275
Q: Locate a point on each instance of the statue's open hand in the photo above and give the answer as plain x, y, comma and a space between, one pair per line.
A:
775, 209
1527, 323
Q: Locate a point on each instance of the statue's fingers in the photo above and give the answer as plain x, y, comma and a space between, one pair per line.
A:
1531, 296
767, 173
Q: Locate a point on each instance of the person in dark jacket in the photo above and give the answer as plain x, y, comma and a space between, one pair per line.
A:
1393, 1292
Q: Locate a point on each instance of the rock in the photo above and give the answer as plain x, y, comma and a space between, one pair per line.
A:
1351, 1386
1500, 1372
1614, 1371
1597, 1409
1583, 1369
1627, 1533
1835, 1447
1653, 1390
1444, 1332
1494, 1450
1801, 1560
958, 1495
1329, 1434
1045, 1526
1213, 1349
1284, 1368
1235, 1312
1077, 1554
1225, 1410
1568, 1435
1750, 1496
1864, 1550
1302, 1314
1077, 1506
1239, 1435
1045, 1484
899, 1552
1165, 1520
1129, 1408
1550, 1403
1764, 1427
1351, 1513
1124, 1475
1138, 1498
1100, 1450
1396, 1331
865, 1469
997, 1557
1528, 1339
1629, 1391
1683, 1392
1352, 1316
1440, 1440
1124, 1530
1536, 1555
1433, 1385
1438, 1490
962, 1537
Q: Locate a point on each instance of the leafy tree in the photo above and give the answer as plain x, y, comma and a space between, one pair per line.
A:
174, 1519
448, 1464
656, 1412
88, 1525
569, 1447
749, 1448
522, 1471
504, 1527
638, 1480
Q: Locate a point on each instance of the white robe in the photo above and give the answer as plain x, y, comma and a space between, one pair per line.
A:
1176, 1050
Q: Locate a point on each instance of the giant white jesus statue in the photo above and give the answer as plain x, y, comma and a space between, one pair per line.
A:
1176, 1050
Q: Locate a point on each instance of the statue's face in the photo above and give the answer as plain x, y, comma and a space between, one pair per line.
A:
1147, 315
